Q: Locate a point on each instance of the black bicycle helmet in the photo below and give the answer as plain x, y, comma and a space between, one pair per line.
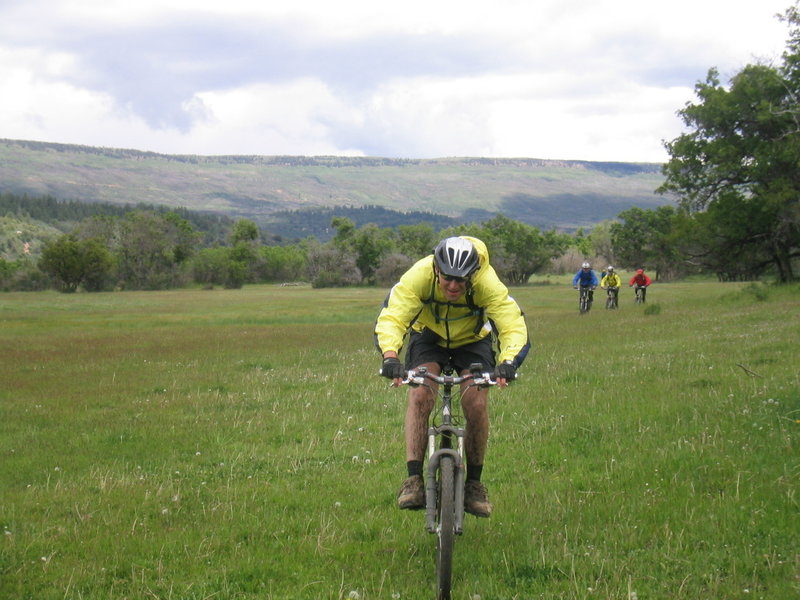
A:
456, 257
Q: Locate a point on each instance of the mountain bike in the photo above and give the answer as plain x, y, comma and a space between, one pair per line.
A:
640, 291
444, 481
612, 298
585, 299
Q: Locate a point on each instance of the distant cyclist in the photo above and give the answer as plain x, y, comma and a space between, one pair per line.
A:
640, 282
586, 278
611, 282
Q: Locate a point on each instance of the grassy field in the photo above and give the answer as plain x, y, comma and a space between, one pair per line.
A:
239, 444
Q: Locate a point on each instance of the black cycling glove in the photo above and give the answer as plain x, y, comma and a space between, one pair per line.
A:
506, 370
392, 368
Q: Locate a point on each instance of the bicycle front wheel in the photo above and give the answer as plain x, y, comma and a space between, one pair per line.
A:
446, 527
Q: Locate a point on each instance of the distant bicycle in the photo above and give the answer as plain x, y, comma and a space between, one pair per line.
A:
639, 290
612, 298
585, 299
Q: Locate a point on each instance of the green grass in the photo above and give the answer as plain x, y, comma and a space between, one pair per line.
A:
238, 444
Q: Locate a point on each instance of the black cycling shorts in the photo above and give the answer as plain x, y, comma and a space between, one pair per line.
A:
424, 348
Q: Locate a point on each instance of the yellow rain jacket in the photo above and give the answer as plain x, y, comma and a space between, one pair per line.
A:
417, 302
611, 280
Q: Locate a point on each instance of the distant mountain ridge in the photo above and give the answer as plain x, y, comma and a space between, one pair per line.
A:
273, 190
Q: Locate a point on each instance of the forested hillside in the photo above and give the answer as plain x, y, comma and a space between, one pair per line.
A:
271, 190
64, 215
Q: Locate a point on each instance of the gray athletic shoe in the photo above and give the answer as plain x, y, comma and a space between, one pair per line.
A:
476, 499
412, 494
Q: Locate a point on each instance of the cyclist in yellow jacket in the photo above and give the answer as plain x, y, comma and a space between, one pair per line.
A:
611, 282
450, 303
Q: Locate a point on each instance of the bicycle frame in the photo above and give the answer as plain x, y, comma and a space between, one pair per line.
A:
444, 515
446, 432
612, 298
584, 302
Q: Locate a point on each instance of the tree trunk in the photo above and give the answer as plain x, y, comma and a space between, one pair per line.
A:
783, 262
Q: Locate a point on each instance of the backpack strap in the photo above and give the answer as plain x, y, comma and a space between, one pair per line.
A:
475, 310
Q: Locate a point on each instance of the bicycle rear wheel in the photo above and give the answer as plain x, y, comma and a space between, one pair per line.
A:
446, 527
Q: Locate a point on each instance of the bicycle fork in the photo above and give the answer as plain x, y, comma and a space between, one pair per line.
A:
434, 458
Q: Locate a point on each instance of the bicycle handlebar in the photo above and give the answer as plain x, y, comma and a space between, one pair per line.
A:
418, 377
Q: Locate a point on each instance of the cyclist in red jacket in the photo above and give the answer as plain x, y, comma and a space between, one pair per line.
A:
640, 281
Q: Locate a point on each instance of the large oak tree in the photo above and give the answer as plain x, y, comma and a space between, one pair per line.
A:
740, 160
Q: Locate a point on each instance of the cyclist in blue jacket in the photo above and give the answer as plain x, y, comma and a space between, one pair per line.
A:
586, 277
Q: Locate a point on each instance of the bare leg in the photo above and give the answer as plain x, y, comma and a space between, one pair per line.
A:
473, 403
420, 404
476, 498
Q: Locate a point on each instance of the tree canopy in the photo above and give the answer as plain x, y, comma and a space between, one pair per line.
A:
739, 163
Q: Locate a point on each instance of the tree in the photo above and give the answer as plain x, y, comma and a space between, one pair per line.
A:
368, 244
99, 265
742, 154
244, 230
329, 266
600, 238
520, 250
153, 249
392, 268
582, 242
416, 241
644, 238
371, 245
181, 235
218, 266
283, 263
701, 241
345, 232
7, 270
73, 262
516, 250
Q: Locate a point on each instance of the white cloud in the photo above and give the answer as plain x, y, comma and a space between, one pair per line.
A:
578, 79
294, 118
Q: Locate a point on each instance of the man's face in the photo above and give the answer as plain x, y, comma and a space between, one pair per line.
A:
452, 287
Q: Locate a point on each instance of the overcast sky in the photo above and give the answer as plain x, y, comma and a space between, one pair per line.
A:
558, 79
